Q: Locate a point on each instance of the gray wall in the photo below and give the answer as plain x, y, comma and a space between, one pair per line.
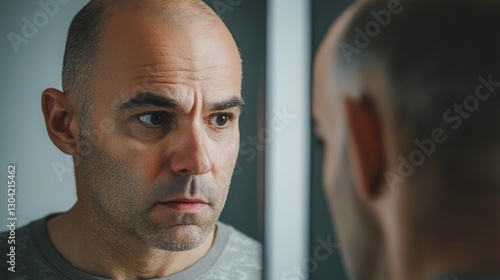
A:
35, 64
26, 71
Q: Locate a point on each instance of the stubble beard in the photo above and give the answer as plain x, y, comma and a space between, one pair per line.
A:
111, 195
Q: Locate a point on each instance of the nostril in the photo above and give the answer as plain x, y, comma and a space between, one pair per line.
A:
184, 171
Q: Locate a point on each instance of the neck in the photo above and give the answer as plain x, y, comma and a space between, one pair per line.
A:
453, 237
97, 248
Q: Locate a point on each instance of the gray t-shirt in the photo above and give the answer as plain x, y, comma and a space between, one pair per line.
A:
232, 256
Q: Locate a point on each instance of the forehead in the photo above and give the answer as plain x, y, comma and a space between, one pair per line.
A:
143, 49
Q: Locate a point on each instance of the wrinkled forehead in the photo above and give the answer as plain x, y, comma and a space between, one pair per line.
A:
134, 36
143, 49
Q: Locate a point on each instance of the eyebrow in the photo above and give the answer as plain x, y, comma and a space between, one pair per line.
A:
148, 99
233, 102
144, 99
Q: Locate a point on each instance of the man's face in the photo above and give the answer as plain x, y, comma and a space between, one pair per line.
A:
168, 95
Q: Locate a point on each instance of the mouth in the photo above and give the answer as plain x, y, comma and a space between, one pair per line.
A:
189, 205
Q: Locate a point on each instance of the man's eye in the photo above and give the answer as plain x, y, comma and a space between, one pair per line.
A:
220, 120
153, 118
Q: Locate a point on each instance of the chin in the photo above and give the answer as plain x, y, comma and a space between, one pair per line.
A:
178, 238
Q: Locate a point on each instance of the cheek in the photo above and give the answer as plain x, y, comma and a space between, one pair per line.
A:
224, 159
138, 160
226, 151
224, 155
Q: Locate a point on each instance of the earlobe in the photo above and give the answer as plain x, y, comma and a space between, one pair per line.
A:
365, 146
59, 113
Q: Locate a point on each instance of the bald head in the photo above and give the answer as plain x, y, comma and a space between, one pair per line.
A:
428, 65
88, 28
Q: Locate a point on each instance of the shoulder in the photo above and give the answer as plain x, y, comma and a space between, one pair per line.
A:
240, 242
22, 259
240, 259
17, 242
233, 255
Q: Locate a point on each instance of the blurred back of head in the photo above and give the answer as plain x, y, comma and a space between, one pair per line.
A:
442, 64
406, 95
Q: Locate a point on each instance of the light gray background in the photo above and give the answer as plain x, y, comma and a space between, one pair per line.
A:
25, 75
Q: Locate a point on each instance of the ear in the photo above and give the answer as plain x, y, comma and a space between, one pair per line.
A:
365, 145
60, 121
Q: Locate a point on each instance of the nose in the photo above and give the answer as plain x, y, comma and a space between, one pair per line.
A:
191, 156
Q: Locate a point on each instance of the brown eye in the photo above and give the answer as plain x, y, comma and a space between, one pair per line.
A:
220, 120
153, 119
